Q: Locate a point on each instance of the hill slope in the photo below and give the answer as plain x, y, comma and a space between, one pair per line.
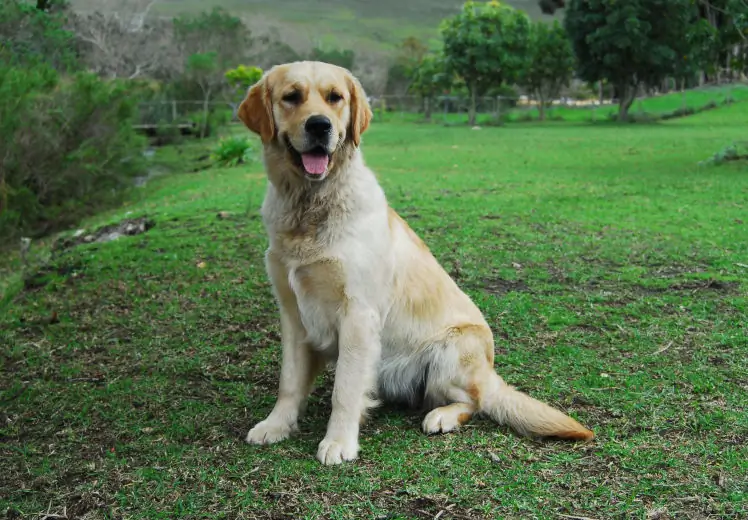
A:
361, 24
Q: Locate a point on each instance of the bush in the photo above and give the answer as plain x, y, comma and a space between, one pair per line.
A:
216, 119
232, 151
67, 147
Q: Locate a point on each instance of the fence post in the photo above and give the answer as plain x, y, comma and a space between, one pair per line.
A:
173, 110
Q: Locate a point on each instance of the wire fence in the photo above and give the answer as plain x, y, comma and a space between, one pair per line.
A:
455, 109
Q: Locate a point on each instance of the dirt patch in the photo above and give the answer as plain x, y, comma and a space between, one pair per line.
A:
401, 503
500, 286
127, 227
693, 286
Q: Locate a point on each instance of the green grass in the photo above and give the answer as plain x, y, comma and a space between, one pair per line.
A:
611, 266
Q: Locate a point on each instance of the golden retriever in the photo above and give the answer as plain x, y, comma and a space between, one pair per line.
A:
356, 286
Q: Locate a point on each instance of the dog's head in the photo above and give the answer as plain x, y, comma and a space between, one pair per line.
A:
310, 113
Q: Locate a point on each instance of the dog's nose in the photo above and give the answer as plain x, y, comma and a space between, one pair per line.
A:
318, 126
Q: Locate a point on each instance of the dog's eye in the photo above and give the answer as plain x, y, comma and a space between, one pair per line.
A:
292, 97
334, 97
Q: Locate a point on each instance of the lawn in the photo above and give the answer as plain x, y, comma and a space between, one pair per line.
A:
611, 264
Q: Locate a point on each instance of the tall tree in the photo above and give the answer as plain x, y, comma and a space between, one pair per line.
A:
211, 43
629, 44
31, 34
429, 79
408, 58
551, 63
720, 37
115, 45
214, 31
487, 45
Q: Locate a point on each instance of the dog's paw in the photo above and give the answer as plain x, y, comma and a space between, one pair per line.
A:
440, 421
269, 432
335, 451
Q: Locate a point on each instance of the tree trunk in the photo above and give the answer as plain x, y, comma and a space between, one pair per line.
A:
601, 91
473, 105
627, 95
427, 108
541, 106
206, 104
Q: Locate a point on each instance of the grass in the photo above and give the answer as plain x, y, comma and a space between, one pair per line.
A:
611, 266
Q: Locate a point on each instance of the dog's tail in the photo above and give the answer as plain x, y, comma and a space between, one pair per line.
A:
526, 415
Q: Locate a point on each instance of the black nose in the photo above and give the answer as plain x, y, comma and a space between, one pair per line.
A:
318, 126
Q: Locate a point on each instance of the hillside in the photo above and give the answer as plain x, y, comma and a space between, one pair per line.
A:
363, 25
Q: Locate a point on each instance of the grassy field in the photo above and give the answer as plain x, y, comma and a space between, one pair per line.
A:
612, 267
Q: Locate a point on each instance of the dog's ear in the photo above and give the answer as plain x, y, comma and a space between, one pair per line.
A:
256, 111
360, 110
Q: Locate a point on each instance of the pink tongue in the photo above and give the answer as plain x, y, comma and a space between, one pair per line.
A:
315, 164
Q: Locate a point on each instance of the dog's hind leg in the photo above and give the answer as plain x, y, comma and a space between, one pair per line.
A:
462, 372
447, 418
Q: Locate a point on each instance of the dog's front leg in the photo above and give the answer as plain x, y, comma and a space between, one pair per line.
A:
359, 350
299, 365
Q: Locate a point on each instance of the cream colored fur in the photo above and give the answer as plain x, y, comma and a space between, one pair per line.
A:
356, 287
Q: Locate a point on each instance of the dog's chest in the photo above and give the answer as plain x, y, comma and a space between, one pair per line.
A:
320, 290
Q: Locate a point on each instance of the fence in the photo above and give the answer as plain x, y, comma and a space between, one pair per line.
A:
454, 109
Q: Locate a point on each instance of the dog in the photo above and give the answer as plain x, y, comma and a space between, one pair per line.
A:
356, 286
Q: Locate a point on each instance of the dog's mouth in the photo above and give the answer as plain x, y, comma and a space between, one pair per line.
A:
314, 162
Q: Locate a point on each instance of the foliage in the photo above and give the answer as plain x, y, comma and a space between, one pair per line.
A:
486, 44
243, 77
551, 63
29, 35
232, 151
430, 79
239, 80
629, 44
737, 151
215, 31
341, 57
408, 58
67, 147
212, 42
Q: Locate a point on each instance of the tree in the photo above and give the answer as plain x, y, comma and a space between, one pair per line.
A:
30, 35
211, 43
429, 79
239, 80
408, 58
551, 63
629, 44
214, 31
720, 36
206, 72
486, 45
118, 45
728, 45
550, 6
340, 57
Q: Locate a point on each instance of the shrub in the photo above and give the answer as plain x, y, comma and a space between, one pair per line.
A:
67, 147
232, 151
